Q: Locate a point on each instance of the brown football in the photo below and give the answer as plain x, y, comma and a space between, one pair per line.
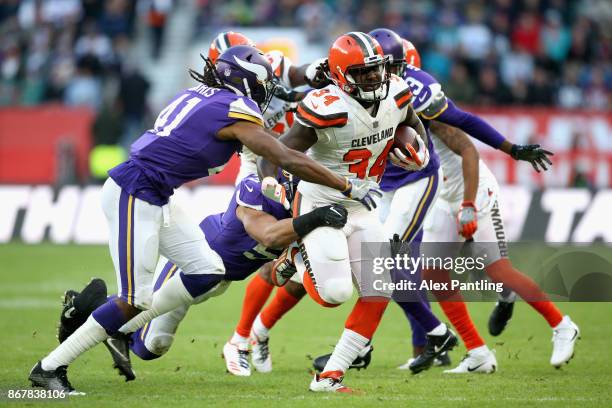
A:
405, 135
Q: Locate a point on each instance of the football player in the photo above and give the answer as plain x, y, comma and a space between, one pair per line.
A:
408, 197
348, 126
468, 208
193, 137
278, 118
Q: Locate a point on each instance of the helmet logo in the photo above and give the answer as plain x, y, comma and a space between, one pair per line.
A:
259, 70
227, 72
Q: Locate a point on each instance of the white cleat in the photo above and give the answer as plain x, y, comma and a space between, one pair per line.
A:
237, 359
260, 357
480, 360
329, 381
564, 339
406, 365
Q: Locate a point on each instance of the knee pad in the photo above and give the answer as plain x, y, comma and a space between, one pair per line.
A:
160, 344
336, 291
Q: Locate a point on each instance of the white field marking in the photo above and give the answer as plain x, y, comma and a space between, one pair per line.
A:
29, 303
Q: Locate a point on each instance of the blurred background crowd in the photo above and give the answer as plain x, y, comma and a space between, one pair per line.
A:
115, 56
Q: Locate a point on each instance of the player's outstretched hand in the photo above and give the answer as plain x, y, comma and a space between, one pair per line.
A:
467, 219
316, 74
362, 191
534, 154
288, 95
275, 191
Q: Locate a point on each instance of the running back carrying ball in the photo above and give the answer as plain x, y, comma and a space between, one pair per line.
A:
405, 135
406, 145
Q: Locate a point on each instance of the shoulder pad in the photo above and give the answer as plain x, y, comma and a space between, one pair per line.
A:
244, 108
400, 91
248, 193
280, 65
435, 107
322, 108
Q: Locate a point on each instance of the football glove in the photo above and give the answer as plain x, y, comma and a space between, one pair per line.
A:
283, 267
275, 191
417, 159
316, 74
467, 219
534, 154
333, 216
362, 191
288, 95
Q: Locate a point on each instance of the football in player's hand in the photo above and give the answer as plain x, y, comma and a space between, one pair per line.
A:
405, 135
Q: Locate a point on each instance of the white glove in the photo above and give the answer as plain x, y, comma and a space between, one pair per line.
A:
362, 191
271, 189
416, 161
315, 73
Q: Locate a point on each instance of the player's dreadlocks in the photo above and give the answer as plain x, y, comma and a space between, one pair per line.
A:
209, 77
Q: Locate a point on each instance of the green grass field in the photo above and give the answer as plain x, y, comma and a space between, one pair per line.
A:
192, 374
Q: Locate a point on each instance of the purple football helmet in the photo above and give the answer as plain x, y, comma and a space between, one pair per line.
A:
392, 47
246, 71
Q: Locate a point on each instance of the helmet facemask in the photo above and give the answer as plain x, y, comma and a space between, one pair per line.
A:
397, 67
362, 84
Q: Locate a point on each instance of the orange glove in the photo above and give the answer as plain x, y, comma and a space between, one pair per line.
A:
467, 219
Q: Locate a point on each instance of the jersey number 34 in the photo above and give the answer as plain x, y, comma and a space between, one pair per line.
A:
360, 159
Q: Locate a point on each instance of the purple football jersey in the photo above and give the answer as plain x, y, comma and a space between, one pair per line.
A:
424, 88
183, 146
225, 233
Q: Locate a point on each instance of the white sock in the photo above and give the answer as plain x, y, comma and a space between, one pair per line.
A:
170, 296
346, 351
564, 322
261, 331
439, 330
239, 340
479, 350
84, 338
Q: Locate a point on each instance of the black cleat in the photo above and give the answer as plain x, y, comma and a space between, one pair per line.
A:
56, 380
362, 361
119, 349
443, 360
436, 345
78, 306
500, 316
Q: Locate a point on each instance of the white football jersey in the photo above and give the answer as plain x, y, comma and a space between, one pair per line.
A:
452, 167
351, 142
279, 115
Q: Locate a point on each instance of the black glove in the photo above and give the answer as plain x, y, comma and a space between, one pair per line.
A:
288, 95
329, 216
534, 154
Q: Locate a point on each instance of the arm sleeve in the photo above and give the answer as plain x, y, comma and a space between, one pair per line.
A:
470, 124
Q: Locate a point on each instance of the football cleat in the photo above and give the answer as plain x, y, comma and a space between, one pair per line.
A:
443, 360
237, 359
500, 316
476, 361
119, 349
329, 381
261, 359
55, 380
435, 346
564, 339
362, 361
76, 307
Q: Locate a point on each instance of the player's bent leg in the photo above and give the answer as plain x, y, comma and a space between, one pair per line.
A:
284, 300
134, 232
155, 338
323, 264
